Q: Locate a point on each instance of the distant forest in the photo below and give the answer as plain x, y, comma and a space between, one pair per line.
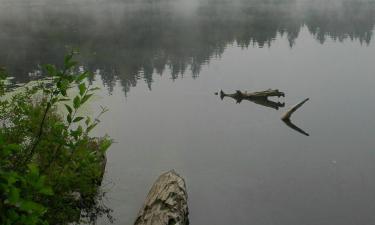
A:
133, 41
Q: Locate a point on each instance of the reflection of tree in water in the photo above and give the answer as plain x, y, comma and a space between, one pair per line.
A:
354, 21
132, 44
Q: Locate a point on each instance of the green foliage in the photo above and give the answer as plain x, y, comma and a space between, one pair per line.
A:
50, 168
18, 204
3, 75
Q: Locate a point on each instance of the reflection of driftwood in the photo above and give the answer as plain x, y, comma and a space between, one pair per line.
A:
288, 114
294, 127
166, 202
260, 97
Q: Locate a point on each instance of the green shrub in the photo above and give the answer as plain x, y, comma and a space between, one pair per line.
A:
50, 168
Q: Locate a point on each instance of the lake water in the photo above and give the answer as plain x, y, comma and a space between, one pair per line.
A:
159, 65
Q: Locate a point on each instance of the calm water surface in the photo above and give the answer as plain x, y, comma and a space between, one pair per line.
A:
159, 65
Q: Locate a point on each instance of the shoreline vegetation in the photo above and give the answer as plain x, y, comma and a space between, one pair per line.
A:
50, 167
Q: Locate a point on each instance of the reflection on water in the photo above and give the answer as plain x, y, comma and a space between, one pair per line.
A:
241, 163
261, 98
286, 118
128, 42
294, 127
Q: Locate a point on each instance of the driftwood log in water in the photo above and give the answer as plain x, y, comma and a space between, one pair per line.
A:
260, 97
166, 203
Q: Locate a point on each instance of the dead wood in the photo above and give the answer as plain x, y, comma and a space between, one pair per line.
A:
166, 203
259, 97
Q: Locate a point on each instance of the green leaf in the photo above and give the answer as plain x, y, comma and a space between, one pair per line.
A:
12, 147
105, 144
70, 110
75, 134
58, 126
9, 149
12, 178
79, 130
69, 118
82, 76
92, 126
88, 120
3, 73
70, 64
51, 70
77, 119
63, 99
64, 85
13, 195
94, 89
33, 169
30, 206
68, 58
82, 88
63, 92
76, 102
85, 98
46, 190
